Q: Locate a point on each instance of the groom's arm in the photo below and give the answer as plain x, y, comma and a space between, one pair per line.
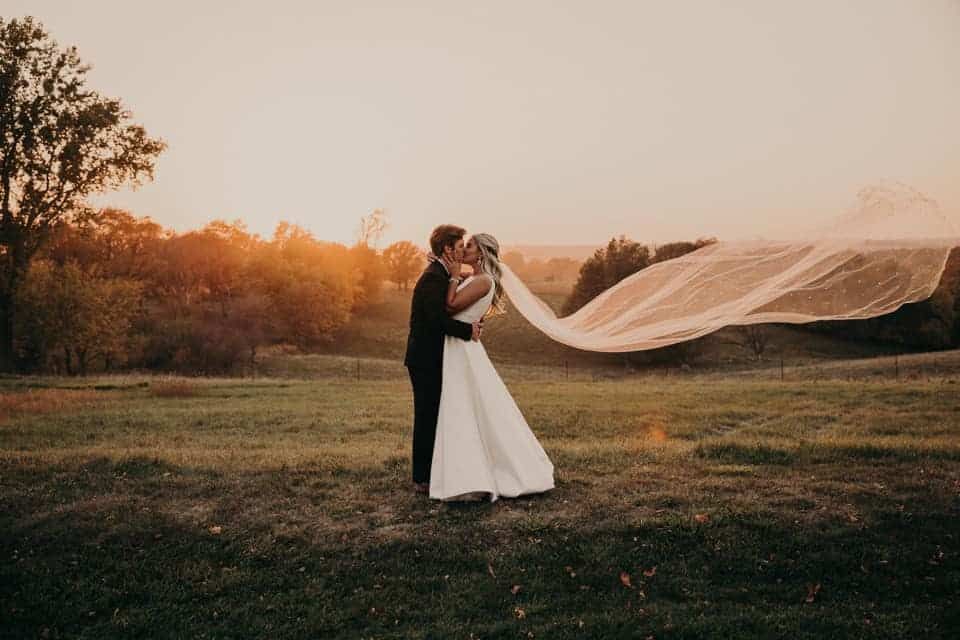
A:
435, 299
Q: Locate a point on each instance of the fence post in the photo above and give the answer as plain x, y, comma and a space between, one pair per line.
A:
781, 369
358, 369
566, 364
896, 367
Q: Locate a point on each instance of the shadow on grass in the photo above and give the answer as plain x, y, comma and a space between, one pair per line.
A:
736, 453
818, 453
128, 569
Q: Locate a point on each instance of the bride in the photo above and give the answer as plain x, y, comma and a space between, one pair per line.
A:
484, 447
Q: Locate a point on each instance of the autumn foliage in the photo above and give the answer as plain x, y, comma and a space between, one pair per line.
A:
117, 291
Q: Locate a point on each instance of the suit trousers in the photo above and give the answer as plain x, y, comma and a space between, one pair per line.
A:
426, 383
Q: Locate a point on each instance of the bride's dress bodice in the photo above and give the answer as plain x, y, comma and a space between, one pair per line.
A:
476, 311
483, 443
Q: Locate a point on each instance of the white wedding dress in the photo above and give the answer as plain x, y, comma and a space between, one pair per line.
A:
483, 444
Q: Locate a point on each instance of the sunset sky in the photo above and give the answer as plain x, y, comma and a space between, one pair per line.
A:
541, 122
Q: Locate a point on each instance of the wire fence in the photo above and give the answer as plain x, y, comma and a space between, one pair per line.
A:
943, 366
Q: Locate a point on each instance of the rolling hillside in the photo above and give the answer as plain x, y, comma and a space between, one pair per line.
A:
381, 332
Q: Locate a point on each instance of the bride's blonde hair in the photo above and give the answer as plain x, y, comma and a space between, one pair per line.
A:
490, 264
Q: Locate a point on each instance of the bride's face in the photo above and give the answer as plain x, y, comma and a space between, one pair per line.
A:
471, 252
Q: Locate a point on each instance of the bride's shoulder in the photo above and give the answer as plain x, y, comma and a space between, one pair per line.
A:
481, 283
486, 279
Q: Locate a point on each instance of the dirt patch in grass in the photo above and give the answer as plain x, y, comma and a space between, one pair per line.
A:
174, 389
41, 401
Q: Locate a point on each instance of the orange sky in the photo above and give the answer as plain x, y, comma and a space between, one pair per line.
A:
538, 121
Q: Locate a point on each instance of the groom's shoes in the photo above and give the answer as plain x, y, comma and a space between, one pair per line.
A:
421, 487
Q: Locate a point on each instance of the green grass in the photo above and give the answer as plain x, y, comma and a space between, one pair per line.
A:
139, 506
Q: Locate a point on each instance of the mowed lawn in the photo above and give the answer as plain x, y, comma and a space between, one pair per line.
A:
700, 507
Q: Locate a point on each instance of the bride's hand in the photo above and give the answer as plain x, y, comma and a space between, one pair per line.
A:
453, 267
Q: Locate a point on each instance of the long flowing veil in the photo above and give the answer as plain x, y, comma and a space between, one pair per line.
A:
889, 250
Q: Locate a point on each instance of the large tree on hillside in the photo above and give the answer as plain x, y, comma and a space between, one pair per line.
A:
608, 265
404, 261
59, 142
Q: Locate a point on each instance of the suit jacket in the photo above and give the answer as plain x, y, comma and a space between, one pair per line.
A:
429, 321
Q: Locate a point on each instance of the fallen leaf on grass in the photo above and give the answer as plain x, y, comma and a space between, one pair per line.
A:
515, 589
519, 613
570, 571
812, 591
701, 517
216, 530
625, 579
652, 571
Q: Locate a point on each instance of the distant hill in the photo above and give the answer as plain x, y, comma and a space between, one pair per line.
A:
381, 332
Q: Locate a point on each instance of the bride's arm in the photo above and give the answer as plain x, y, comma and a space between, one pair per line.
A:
457, 301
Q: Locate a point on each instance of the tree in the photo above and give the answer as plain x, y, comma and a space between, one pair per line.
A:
74, 318
370, 273
673, 250
933, 323
59, 142
754, 338
372, 227
310, 286
225, 250
403, 261
110, 242
366, 260
590, 283
606, 267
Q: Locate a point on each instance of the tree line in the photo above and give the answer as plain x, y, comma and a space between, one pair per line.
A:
620, 258
933, 323
117, 291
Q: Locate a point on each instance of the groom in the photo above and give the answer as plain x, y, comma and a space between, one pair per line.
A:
429, 324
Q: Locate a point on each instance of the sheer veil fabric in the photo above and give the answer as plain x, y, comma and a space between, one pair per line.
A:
889, 250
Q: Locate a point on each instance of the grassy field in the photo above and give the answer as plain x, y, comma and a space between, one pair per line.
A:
699, 507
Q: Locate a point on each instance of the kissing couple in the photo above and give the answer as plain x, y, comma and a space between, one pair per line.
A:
470, 440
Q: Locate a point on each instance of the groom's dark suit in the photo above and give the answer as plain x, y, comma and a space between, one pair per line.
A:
429, 324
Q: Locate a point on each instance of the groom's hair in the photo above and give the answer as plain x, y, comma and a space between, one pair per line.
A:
444, 236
